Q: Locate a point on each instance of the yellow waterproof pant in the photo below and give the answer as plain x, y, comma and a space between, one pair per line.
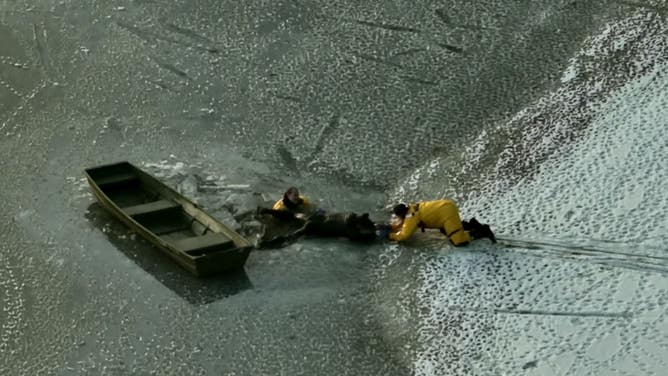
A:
453, 227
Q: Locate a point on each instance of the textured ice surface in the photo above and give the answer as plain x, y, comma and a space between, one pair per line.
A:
594, 301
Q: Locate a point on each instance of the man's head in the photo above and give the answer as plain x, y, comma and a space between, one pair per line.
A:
400, 210
292, 194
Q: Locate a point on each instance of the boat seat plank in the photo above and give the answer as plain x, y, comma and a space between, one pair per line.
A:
151, 207
203, 243
164, 228
115, 179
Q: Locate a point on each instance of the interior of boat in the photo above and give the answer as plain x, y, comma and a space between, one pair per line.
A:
148, 202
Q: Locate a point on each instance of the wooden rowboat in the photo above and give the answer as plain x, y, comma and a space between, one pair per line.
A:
176, 225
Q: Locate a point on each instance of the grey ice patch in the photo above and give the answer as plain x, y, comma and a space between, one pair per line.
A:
24, 215
226, 218
188, 187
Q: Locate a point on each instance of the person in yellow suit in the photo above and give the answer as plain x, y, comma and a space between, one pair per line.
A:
294, 203
438, 214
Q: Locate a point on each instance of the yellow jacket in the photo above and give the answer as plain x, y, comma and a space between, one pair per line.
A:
304, 207
396, 223
441, 214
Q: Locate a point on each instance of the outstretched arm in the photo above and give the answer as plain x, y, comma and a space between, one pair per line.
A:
407, 230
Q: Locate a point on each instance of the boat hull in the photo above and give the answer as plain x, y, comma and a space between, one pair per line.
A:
174, 224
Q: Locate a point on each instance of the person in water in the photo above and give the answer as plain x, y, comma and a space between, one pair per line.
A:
438, 214
302, 218
294, 203
291, 206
